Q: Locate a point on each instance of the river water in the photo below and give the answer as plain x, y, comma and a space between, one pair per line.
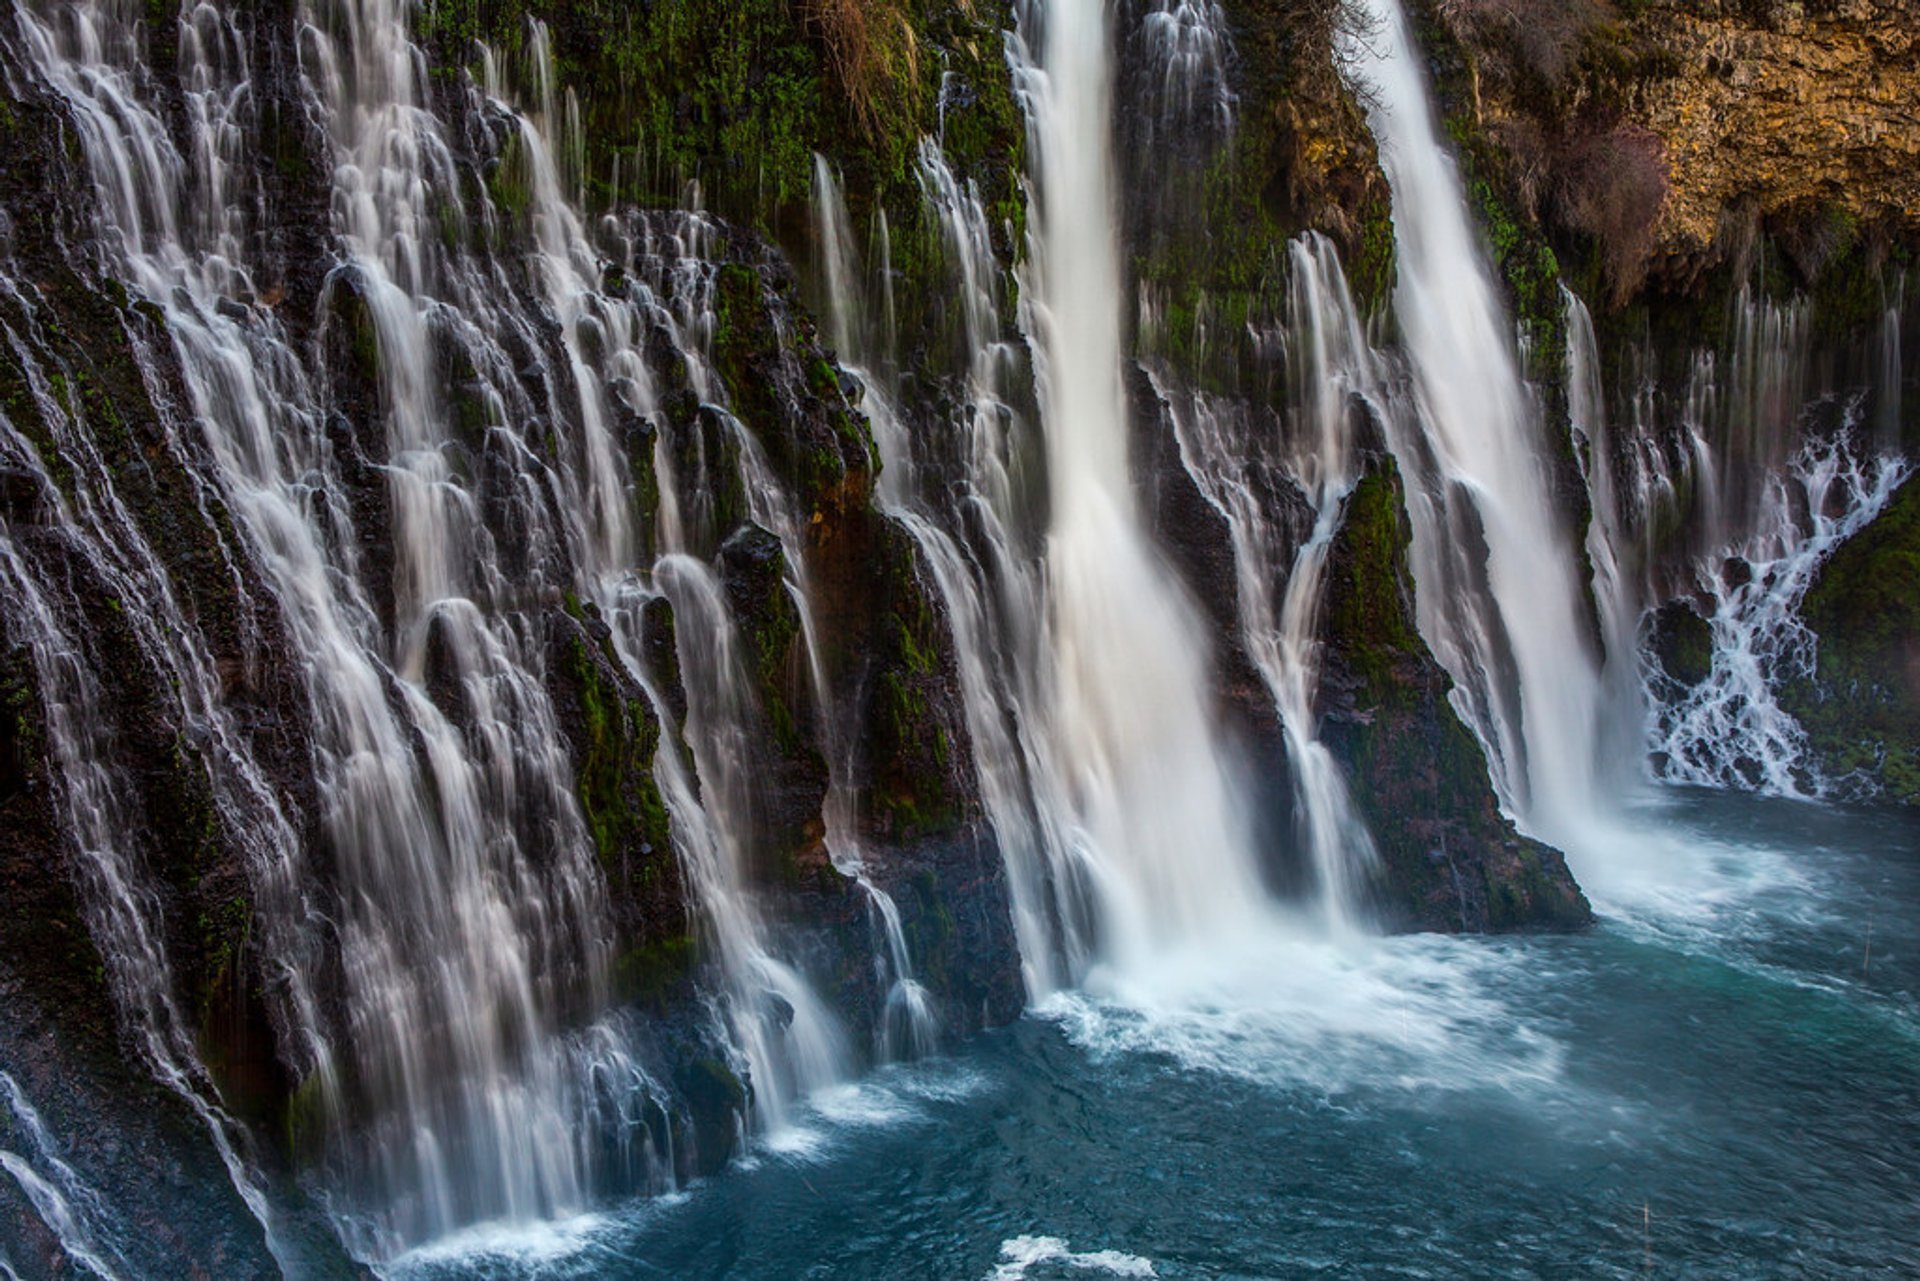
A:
1722, 1078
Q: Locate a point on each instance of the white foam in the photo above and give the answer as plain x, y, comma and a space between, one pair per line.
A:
1290, 1007
891, 1098
530, 1244
1017, 1254
1643, 867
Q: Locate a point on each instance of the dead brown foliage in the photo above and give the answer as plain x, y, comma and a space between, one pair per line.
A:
1540, 37
872, 53
1600, 178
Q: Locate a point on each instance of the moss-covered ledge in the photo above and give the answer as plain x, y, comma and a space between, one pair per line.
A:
1450, 861
1861, 709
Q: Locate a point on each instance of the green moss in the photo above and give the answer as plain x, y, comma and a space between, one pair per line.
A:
711, 1087
915, 791
930, 932
307, 1118
652, 972
509, 182
1862, 709
619, 799
772, 637
736, 94
1682, 641
1367, 619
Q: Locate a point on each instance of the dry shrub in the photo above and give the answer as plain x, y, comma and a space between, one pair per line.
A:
872, 53
1595, 178
1815, 236
1611, 184
1540, 37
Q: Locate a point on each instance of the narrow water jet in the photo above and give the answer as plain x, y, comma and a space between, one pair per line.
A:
1330, 362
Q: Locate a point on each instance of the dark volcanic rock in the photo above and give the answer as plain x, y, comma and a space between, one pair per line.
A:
1861, 710
1450, 860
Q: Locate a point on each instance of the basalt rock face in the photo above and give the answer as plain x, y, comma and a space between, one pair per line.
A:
1449, 859
1861, 703
1784, 108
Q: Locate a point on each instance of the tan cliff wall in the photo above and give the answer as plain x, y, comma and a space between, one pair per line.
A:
1670, 131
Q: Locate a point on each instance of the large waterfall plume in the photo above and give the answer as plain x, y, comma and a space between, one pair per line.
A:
1500, 593
1162, 845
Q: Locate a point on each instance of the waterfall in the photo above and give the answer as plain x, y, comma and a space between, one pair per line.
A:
462, 1064
1082, 673
1158, 832
1890, 373
89, 57
1187, 62
1756, 517
989, 575
1330, 361
1730, 730
1617, 534
790, 1043
1500, 598
910, 1023
72, 1209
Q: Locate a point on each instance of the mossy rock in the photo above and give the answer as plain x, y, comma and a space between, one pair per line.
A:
1449, 860
1682, 643
1862, 709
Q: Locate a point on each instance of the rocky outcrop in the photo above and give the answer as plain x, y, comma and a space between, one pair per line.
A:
1666, 136
1861, 705
1449, 859
1782, 108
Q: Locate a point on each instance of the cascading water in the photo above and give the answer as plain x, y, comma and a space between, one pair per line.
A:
1161, 840
1730, 730
452, 985
1187, 54
991, 582
1499, 596
89, 57
1622, 561
1890, 370
1330, 361
1755, 525
1080, 669
451, 1083
909, 1027
75, 1211
789, 1042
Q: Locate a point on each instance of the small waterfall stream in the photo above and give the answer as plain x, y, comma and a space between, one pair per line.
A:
1730, 730
1330, 361
1500, 596
65, 1202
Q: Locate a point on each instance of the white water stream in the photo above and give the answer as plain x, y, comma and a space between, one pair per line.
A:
1159, 832
1500, 597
